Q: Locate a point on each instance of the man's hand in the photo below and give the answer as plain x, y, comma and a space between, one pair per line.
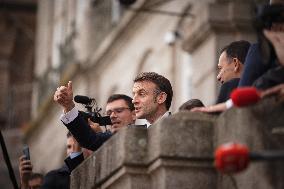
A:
64, 96
95, 126
25, 169
277, 90
211, 109
277, 40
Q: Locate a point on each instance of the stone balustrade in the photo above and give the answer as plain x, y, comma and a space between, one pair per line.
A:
174, 152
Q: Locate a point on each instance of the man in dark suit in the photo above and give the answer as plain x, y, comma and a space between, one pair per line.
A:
60, 178
230, 67
119, 107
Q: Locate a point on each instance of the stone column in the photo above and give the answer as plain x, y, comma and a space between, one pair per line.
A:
119, 163
261, 128
178, 152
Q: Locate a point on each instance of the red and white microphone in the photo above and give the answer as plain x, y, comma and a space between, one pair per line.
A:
234, 157
245, 96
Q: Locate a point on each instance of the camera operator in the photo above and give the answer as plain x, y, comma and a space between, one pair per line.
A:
119, 108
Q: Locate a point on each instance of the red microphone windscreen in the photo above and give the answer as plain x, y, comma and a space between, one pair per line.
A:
231, 158
245, 96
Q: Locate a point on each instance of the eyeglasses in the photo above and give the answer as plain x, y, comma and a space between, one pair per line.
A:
116, 110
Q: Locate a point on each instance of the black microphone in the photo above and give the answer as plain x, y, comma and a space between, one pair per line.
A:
83, 99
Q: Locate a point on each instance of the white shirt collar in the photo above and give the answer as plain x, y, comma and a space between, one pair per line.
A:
166, 114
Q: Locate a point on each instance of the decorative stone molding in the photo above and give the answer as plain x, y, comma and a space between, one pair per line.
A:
218, 17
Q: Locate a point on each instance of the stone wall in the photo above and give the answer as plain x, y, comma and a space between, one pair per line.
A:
174, 153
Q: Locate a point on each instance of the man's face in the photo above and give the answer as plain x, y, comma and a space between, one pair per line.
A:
226, 69
35, 183
72, 145
120, 114
145, 99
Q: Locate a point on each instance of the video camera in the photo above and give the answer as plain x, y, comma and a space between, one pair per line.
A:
266, 17
92, 110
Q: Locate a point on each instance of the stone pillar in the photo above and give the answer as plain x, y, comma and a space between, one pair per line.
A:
168, 155
178, 149
119, 163
261, 128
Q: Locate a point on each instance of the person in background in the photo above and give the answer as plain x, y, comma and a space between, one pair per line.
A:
28, 179
192, 103
60, 178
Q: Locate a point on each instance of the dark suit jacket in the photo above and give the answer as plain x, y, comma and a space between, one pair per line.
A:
272, 77
253, 66
57, 179
60, 178
73, 163
226, 89
85, 136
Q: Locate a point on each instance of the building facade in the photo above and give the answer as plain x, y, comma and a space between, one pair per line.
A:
101, 46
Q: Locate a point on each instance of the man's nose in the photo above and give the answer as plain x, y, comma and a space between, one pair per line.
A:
113, 114
73, 148
219, 76
134, 100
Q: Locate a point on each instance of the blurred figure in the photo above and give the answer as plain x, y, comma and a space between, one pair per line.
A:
264, 75
35, 181
192, 103
277, 40
28, 179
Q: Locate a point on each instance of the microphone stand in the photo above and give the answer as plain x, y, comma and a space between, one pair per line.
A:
8, 162
268, 156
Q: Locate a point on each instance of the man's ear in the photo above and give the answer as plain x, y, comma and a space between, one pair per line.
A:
236, 63
161, 98
133, 115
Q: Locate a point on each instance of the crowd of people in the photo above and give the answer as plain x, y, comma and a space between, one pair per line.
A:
240, 64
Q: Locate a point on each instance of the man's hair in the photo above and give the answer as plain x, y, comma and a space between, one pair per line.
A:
192, 103
126, 98
237, 49
162, 83
69, 134
35, 176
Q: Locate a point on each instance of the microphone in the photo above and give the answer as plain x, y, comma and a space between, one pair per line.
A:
245, 96
231, 158
234, 157
83, 99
